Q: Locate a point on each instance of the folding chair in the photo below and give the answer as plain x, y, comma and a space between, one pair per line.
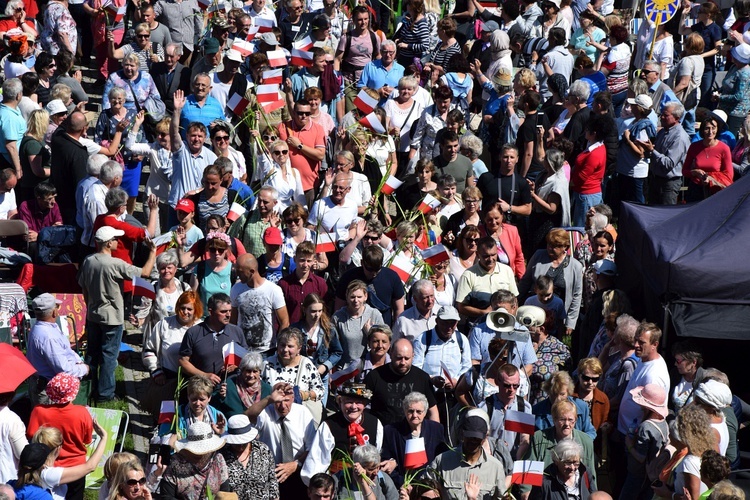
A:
15, 228
112, 422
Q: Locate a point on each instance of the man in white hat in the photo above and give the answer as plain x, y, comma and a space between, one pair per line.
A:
58, 112
49, 348
100, 277
224, 84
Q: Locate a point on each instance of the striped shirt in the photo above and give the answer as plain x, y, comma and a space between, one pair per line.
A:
187, 171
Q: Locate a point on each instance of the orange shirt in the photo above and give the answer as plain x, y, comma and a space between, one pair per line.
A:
311, 136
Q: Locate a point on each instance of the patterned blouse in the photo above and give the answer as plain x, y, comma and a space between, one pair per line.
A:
106, 127
257, 481
143, 86
552, 356
57, 19
190, 482
309, 377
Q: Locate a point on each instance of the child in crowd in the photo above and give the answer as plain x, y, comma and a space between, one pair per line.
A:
185, 213
553, 305
197, 409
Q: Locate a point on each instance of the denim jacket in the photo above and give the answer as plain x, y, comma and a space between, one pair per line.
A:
328, 356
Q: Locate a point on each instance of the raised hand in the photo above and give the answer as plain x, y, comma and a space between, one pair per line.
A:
179, 100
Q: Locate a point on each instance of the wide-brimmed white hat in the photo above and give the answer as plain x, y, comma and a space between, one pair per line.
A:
240, 430
200, 440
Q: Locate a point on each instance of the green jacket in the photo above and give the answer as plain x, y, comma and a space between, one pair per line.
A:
544, 441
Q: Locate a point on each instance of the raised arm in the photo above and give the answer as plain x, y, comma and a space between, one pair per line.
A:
174, 127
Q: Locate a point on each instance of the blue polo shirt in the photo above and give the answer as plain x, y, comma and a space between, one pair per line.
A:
374, 75
192, 112
12, 128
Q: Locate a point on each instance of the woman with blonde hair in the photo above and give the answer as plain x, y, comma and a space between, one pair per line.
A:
34, 154
404, 112
560, 387
110, 467
285, 179
589, 373
353, 321
725, 490
129, 482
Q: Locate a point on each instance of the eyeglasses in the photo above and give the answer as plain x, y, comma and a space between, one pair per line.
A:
370, 238
293, 221
647, 71
511, 386
144, 36
589, 379
281, 153
303, 113
269, 137
221, 137
216, 250
336, 187
133, 482
442, 265
471, 241
471, 201
20, 9
329, 62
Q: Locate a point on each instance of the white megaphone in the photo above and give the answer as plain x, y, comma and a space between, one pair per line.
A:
531, 316
501, 321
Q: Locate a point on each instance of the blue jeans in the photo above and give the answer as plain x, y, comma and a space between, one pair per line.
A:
618, 100
104, 347
581, 204
631, 189
688, 122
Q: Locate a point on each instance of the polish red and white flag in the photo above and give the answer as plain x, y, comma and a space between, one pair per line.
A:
235, 212
429, 204
143, 288
435, 254
348, 372
528, 472
301, 58
415, 455
163, 242
519, 421
264, 25
204, 4
403, 266
267, 92
166, 412
243, 47
237, 104
372, 122
270, 107
251, 32
233, 354
115, 13
304, 44
325, 242
273, 76
276, 58
364, 102
391, 185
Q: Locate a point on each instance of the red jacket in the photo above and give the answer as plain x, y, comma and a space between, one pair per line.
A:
586, 177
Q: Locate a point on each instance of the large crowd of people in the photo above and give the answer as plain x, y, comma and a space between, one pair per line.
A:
374, 255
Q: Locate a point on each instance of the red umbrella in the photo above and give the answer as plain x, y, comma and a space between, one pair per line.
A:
16, 368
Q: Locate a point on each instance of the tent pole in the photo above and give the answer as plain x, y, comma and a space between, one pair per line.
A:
665, 326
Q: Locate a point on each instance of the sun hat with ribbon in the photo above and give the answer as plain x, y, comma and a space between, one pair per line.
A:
240, 430
63, 388
200, 440
651, 396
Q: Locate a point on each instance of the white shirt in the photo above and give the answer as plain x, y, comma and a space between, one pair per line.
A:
449, 353
160, 176
411, 324
12, 442
7, 204
93, 206
651, 372
265, 13
219, 90
300, 423
256, 308
333, 218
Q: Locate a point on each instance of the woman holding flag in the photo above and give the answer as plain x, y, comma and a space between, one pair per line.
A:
280, 175
566, 477
243, 388
404, 112
212, 198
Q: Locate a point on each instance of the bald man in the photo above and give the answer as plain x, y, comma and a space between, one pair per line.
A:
258, 307
7, 493
391, 382
600, 495
335, 213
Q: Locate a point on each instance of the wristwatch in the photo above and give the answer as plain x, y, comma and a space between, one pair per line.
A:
300, 146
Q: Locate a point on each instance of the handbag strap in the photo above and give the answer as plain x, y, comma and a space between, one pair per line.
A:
138, 107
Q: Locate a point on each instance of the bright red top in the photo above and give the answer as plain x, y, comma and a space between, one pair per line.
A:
586, 177
716, 161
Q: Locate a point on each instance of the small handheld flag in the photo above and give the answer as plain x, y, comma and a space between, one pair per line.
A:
143, 288
302, 58
528, 472
435, 254
166, 412
348, 372
372, 122
364, 102
237, 104
271, 76
415, 455
518, 421
233, 354
391, 185
429, 203
235, 212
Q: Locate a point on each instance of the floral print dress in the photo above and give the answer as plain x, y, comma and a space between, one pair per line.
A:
190, 482
256, 481
57, 19
552, 356
309, 378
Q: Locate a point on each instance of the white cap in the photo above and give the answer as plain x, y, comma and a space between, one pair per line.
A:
233, 55
106, 233
56, 106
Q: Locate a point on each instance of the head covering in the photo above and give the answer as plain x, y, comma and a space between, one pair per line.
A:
44, 302
200, 439
448, 313
714, 394
605, 267
558, 83
741, 53
353, 390
721, 116
18, 44
556, 3
185, 205
651, 396
502, 78
538, 45
268, 38
642, 100
56, 106
490, 27
272, 236
63, 388
240, 430
233, 55
474, 426
33, 456
106, 233
211, 46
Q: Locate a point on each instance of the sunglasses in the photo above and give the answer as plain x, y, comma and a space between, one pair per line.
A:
216, 250
269, 137
293, 221
511, 386
589, 379
143, 36
303, 113
471, 240
370, 238
221, 137
133, 482
284, 152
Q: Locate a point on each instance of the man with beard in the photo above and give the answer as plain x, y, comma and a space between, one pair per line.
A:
391, 382
256, 302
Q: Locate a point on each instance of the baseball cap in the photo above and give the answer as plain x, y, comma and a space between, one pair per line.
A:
474, 426
106, 233
268, 38
185, 205
448, 313
272, 236
490, 26
211, 46
56, 106
233, 55
44, 302
606, 267
642, 100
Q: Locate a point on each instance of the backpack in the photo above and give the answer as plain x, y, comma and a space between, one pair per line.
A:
347, 48
657, 464
428, 342
54, 243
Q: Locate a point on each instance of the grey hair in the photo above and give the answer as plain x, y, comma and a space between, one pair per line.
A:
270, 190
626, 328
94, 164
567, 449
652, 64
366, 454
251, 361
6, 492
11, 7
639, 87
115, 198
287, 334
421, 285
345, 154
472, 143
598, 223
388, 43
11, 89
717, 375
677, 109
177, 48
415, 397
110, 171
555, 158
115, 91
168, 258
580, 90
200, 75
409, 81
133, 58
